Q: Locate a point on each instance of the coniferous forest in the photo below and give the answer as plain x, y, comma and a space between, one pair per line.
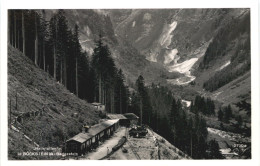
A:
240, 62
166, 115
54, 46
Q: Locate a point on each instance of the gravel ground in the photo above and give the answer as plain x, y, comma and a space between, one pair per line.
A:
145, 149
102, 150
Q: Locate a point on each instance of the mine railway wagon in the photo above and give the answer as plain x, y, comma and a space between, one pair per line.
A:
119, 144
91, 138
138, 132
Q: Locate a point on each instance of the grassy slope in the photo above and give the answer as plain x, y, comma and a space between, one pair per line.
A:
36, 90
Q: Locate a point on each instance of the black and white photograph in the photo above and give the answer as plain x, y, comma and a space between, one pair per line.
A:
129, 84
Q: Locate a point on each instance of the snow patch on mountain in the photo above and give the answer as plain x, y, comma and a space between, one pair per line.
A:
166, 36
163, 42
87, 30
147, 17
181, 80
183, 67
146, 31
133, 24
152, 57
223, 66
186, 66
101, 11
170, 56
186, 102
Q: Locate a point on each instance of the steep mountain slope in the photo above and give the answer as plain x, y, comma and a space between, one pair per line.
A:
192, 51
175, 38
225, 68
182, 29
46, 112
92, 23
43, 113
159, 44
178, 39
209, 48
165, 45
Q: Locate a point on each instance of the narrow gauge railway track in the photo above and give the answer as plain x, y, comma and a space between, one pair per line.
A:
131, 146
134, 151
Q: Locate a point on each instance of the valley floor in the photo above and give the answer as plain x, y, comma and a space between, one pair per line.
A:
229, 142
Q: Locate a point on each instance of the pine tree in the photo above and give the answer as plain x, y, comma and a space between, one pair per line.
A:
9, 26
63, 45
15, 41
43, 40
105, 72
36, 40
213, 149
120, 93
23, 31
220, 115
173, 112
143, 100
98, 65
227, 113
54, 41
76, 54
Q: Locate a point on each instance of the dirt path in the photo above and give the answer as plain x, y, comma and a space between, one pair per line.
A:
102, 150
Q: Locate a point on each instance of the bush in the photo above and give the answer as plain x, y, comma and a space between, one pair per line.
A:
162, 140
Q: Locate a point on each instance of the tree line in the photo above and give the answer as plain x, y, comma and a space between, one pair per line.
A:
55, 47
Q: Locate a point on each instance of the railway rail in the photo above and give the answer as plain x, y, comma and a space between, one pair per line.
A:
131, 146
